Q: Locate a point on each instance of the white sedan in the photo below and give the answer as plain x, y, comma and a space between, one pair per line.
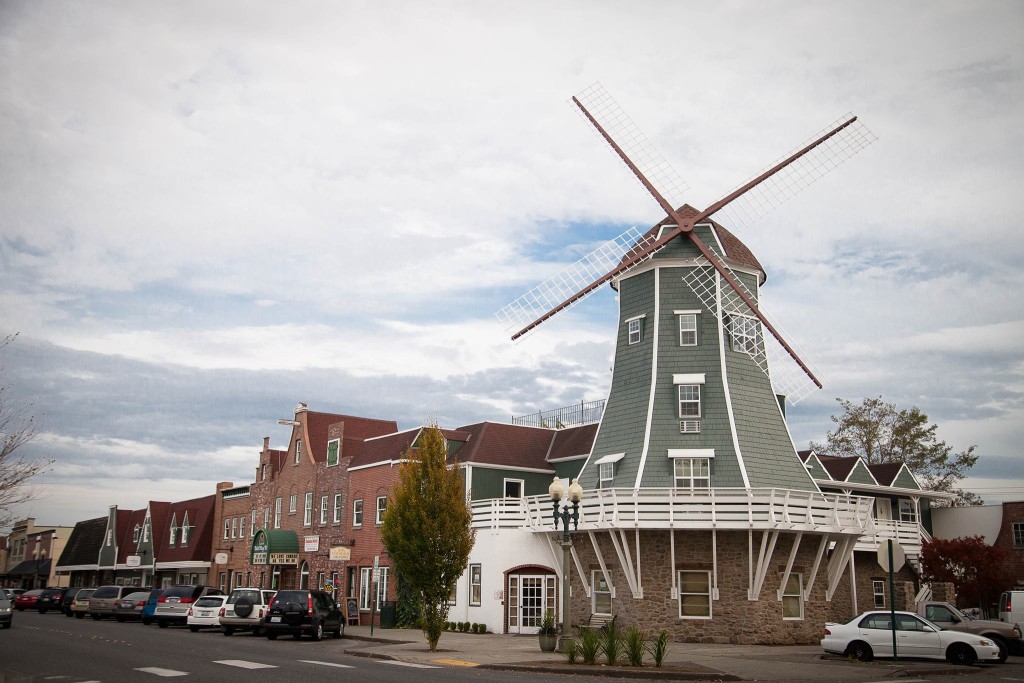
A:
869, 635
205, 612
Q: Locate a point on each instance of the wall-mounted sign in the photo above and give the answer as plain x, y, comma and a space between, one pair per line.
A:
311, 544
341, 553
259, 553
284, 558
133, 561
221, 558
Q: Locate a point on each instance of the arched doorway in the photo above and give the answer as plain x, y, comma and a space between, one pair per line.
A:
531, 591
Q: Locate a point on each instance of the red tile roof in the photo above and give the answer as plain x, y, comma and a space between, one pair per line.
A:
838, 468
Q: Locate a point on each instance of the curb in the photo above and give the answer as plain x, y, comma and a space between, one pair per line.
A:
651, 673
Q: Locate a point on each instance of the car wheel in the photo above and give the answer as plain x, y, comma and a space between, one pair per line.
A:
162, 624
297, 635
7, 625
318, 631
338, 631
41, 610
146, 621
120, 620
79, 615
257, 631
860, 651
96, 617
1004, 650
959, 653
227, 630
271, 636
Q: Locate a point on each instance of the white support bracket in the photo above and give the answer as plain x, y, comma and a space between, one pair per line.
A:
768, 540
789, 564
600, 560
822, 546
626, 562
837, 564
579, 570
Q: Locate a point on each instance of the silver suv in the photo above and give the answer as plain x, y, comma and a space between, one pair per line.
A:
172, 606
244, 610
105, 598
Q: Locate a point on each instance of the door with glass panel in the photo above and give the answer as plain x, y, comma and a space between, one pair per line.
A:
529, 597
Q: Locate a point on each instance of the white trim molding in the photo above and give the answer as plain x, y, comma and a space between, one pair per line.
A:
691, 452
613, 457
692, 378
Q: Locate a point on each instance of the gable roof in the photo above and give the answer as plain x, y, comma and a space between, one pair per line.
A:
83, 546
359, 428
895, 474
573, 442
505, 445
200, 538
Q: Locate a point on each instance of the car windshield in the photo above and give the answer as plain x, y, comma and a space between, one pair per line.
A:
252, 596
291, 596
136, 597
84, 594
209, 602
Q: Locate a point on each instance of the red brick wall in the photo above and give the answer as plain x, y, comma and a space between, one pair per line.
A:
367, 485
1012, 513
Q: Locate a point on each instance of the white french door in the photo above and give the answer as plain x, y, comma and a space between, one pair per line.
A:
529, 597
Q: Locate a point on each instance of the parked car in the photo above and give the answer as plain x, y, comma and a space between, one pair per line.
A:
149, 611
130, 606
244, 610
13, 592
105, 598
1011, 607
870, 634
6, 611
205, 612
304, 611
172, 606
1006, 635
27, 600
50, 598
69, 599
80, 604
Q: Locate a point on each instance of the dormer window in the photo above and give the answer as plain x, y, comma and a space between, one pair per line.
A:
136, 533
606, 470
174, 530
145, 531
184, 530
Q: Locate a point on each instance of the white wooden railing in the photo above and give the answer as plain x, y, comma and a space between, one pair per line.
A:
910, 535
667, 508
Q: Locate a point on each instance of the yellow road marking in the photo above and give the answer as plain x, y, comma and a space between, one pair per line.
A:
454, 662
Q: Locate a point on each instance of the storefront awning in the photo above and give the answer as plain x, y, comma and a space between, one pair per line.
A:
274, 546
30, 568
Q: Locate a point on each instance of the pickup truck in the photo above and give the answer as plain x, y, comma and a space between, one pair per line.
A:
1006, 636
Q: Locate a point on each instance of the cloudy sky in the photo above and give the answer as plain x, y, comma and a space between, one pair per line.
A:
212, 211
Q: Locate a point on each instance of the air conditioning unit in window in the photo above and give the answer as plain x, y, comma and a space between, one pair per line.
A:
689, 426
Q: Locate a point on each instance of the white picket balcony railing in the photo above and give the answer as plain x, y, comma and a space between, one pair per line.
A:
667, 508
910, 535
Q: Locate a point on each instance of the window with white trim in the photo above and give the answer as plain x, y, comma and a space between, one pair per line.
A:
382, 506
337, 508
513, 488
743, 332
601, 601
908, 513
365, 586
323, 509
174, 531
298, 450
277, 512
689, 401
878, 591
145, 531
475, 584
793, 598
307, 509
227, 527
293, 503
333, 447
605, 475
137, 533
692, 473
185, 530
252, 525
357, 513
635, 330
234, 527
1018, 535
266, 517
694, 594
687, 329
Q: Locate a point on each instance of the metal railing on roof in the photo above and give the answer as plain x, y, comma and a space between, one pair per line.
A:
584, 412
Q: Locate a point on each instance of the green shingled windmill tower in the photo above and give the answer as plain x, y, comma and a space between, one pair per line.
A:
702, 374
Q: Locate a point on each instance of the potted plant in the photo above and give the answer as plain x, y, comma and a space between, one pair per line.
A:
548, 634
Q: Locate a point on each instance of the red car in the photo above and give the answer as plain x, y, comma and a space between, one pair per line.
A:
27, 600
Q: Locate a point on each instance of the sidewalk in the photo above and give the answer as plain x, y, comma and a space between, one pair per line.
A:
685, 661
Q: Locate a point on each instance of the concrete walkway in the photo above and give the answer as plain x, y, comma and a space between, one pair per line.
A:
685, 661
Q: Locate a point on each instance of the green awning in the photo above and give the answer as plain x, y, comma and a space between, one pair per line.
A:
274, 546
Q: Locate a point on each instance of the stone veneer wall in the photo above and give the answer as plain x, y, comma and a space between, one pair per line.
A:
735, 619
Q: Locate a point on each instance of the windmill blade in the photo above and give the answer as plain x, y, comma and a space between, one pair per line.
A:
632, 146
787, 377
576, 283
808, 163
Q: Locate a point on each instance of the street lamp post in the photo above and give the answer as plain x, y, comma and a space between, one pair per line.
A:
39, 555
556, 491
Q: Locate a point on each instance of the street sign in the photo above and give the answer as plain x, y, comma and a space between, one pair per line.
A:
899, 556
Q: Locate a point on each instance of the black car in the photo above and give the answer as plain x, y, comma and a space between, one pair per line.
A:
69, 599
50, 598
304, 611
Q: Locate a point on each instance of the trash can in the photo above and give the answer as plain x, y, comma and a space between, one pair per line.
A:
387, 614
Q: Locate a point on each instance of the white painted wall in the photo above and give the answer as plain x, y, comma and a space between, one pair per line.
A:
975, 520
496, 552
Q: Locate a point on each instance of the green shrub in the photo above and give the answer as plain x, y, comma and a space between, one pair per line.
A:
660, 648
570, 650
464, 626
589, 645
635, 644
611, 644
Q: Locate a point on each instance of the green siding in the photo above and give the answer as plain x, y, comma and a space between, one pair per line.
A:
108, 553
490, 483
569, 469
905, 480
860, 474
817, 471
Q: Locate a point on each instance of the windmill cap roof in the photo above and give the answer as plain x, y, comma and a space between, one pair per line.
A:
735, 250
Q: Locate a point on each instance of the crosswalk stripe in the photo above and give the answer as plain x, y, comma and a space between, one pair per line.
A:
409, 664
164, 673
242, 664
313, 661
